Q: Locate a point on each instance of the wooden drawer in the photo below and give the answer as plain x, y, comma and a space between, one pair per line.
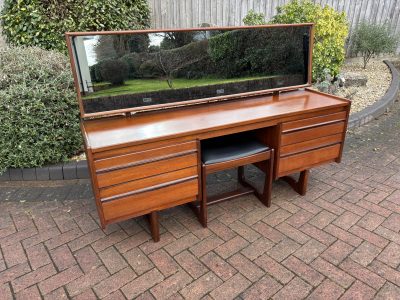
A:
311, 144
136, 172
141, 157
121, 190
305, 160
315, 121
145, 202
299, 136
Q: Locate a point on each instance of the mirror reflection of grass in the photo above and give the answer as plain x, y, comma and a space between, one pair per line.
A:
134, 86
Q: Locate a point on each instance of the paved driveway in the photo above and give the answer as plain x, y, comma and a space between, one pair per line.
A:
342, 240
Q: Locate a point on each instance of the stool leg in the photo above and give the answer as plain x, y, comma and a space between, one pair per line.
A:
203, 200
154, 226
268, 180
241, 177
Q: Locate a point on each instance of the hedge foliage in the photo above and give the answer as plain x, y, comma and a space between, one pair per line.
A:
39, 116
43, 23
331, 30
242, 52
114, 71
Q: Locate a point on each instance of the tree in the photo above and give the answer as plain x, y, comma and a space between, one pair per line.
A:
170, 61
116, 46
372, 39
176, 39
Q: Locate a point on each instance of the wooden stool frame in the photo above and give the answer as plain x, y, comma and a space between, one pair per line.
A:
266, 158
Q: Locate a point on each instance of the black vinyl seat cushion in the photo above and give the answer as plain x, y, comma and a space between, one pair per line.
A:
227, 148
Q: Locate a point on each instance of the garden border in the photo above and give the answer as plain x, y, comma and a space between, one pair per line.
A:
382, 105
79, 169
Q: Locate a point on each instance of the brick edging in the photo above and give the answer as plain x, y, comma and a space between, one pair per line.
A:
382, 105
61, 171
79, 170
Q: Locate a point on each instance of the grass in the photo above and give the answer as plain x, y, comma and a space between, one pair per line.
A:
149, 85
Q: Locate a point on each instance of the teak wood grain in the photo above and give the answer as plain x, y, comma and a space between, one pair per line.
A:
146, 170
312, 133
311, 144
310, 158
115, 132
145, 156
139, 184
309, 122
146, 202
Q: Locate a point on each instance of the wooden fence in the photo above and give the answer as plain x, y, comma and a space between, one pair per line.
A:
192, 13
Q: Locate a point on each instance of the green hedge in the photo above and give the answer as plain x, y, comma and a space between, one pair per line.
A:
43, 23
39, 116
257, 52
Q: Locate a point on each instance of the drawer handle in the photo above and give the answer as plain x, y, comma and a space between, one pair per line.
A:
145, 161
312, 126
309, 150
147, 189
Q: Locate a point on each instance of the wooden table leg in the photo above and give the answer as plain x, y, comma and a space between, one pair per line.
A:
154, 226
300, 186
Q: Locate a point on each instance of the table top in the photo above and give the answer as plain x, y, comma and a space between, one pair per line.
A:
112, 132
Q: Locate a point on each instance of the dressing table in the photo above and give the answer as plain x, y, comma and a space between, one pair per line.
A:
146, 158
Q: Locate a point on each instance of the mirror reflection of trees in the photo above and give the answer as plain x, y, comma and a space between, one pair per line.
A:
259, 59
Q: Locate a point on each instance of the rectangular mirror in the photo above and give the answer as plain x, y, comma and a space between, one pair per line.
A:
142, 70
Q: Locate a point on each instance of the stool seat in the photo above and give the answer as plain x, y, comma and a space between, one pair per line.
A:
228, 148
234, 151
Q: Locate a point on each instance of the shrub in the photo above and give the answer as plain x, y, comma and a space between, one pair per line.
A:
253, 18
371, 39
114, 71
39, 116
134, 60
331, 30
242, 52
150, 69
43, 22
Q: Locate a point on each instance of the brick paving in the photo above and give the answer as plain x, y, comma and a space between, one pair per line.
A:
341, 240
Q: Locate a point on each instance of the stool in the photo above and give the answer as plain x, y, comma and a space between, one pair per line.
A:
235, 151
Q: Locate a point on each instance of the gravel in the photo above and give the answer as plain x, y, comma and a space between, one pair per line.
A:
379, 79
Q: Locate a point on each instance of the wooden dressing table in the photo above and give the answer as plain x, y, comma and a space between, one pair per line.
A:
143, 146
150, 161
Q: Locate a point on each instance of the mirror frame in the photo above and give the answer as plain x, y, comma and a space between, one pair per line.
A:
127, 111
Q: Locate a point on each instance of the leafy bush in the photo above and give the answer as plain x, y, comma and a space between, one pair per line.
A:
134, 60
114, 71
39, 116
371, 39
43, 22
253, 18
150, 69
255, 52
330, 32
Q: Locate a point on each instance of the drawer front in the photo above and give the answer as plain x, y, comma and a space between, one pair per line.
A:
307, 159
117, 191
136, 172
315, 121
135, 158
145, 202
299, 136
311, 144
